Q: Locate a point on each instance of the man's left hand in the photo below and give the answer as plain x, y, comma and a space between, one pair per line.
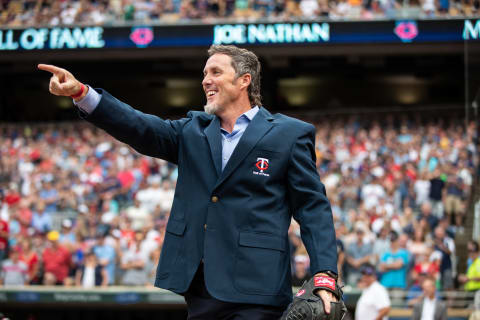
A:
327, 297
318, 299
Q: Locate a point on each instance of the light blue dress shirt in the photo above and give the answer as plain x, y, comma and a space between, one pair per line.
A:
90, 101
229, 140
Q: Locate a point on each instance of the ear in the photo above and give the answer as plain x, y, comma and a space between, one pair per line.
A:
245, 80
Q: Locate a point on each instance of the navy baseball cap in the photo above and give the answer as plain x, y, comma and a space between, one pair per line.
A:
368, 270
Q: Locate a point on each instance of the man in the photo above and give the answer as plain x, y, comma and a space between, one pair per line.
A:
133, 265
372, 192
446, 247
242, 174
57, 260
454, 198
374, 302
301, 273
41, 219
357, 254
4, 231
381, 245
394, 265
426, 213
49, 194
429, 308
91, 273
472, 278
106, 255
339, 233
67, 235
138, 214
151, 197
437, 184
14, 272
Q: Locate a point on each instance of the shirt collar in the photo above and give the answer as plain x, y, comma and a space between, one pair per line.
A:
245, 117
251, 113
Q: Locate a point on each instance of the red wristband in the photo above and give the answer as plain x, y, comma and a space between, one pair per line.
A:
79, 94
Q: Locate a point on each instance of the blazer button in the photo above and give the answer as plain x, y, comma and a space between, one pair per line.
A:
214, 199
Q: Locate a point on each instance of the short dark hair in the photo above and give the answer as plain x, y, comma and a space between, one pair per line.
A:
243, 62
475, 245
393, 236
368, 269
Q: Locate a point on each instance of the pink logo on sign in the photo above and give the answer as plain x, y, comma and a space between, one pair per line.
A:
406, 30
141, 36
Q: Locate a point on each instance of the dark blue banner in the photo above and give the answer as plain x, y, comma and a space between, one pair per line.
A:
283, 34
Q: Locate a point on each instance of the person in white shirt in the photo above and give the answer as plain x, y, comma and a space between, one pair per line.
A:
153, 195
91, 274
429, 307
138, 215
374, 303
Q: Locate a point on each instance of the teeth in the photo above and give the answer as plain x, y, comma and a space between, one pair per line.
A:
210, 93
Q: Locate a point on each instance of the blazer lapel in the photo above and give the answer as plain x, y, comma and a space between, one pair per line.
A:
437, 310
214, 140
258, 127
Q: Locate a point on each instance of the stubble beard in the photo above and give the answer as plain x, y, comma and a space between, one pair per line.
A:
212, 108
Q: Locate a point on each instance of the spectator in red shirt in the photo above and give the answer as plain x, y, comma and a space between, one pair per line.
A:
30, 257
56, 260
24, 215
425, 265
3, 239
12, 197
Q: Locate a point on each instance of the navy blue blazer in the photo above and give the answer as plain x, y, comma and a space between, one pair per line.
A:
237, 219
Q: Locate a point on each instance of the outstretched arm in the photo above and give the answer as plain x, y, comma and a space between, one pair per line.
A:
148, 134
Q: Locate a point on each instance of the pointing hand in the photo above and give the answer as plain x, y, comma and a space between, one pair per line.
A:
63, 83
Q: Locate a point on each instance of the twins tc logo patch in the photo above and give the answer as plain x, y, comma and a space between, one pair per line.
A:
261, 165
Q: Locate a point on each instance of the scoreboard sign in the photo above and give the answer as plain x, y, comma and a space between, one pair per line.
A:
56, 38
254, 34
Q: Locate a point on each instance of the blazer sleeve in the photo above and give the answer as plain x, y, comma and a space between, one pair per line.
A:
417, 310
309, 204
146, 133
441, 310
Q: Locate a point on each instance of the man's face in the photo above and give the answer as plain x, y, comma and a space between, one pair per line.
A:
221, 87
14, 256
367, 279
300, 266
359, 234
426, 209
439, 233
428, 287
53, 243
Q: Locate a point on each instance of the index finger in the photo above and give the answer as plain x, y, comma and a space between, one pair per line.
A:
50, 68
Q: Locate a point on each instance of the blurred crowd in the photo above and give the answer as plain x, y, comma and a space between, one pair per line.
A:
106, 12
79, 208
398, 190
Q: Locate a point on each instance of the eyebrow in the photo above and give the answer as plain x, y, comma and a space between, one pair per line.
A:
212, 67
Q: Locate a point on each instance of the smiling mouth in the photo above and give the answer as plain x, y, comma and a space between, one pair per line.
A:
211, 93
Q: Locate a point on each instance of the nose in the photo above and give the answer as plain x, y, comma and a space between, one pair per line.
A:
206, 80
